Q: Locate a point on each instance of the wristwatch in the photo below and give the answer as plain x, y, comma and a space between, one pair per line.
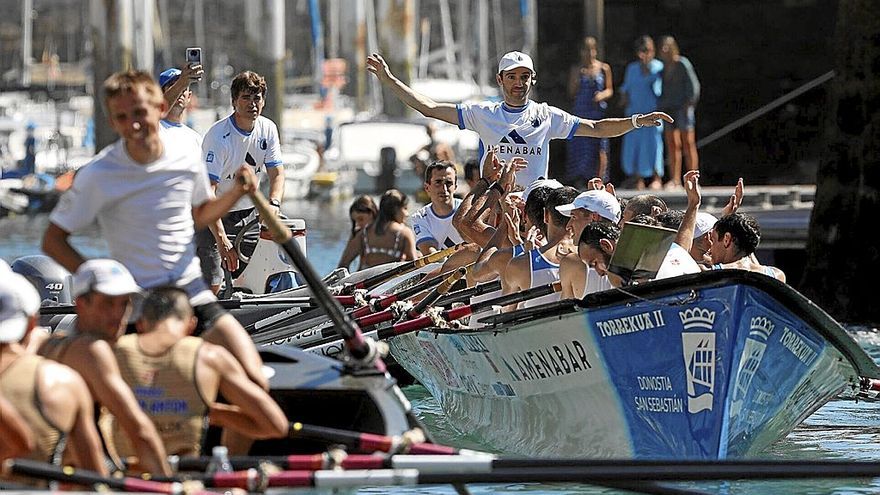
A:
274, 202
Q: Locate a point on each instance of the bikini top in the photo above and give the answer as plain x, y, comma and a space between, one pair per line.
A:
393, 252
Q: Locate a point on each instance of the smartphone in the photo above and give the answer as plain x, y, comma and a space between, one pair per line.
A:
194, 56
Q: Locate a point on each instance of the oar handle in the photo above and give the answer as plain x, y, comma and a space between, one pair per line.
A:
436, 292
377, 279
359, 348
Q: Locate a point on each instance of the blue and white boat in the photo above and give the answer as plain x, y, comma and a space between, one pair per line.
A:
708, 366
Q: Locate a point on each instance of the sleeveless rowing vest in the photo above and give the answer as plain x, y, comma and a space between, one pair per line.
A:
543, 272
166, 389
18, 384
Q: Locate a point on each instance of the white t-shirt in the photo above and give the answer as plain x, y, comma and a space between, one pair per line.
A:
226, 148
677, 262
144, 211
524, 132
427, 226
181, 131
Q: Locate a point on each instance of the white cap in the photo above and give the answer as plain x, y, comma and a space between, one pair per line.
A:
540, 182
512, 60
705, 222
597, 201
19, 301
106, 276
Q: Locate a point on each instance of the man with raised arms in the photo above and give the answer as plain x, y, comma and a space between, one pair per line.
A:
516, 126
149, 192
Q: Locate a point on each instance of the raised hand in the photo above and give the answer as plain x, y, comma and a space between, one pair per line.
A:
735, 199
692, 188
491, 166
377, 65
192, 72
595, 183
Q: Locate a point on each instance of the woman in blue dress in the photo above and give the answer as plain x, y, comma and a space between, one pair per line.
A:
590, 86
643, 148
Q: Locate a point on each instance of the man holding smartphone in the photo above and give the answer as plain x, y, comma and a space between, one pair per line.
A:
245, 137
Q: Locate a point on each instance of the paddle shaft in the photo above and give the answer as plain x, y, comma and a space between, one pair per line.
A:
327, 338
365, 442
415, 264
357, 346
67, 474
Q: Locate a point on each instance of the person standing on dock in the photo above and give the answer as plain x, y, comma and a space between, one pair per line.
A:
681, 91
148, 193
517, 126
590, 86
642, 155
245, 138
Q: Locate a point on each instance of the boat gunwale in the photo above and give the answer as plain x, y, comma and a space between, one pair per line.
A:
813, 315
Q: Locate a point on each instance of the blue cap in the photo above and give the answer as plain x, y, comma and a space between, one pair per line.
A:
169, 76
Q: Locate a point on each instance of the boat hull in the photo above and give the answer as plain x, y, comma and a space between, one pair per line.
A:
714, 366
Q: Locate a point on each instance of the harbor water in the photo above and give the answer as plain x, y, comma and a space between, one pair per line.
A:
841, 430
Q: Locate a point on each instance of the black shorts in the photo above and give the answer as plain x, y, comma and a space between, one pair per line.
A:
207, 315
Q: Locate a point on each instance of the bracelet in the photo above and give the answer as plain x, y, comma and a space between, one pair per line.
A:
274, 202
488, 184
496, 186
635, 121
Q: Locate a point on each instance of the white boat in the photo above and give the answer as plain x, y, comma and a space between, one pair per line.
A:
708, 366
301, 161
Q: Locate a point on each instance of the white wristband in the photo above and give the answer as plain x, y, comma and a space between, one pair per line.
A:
635, 120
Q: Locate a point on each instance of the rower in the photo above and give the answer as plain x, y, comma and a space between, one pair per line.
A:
18, 440
733, 241
595, 205
177, 377
540, 266
103, 290
53, 399
432, 223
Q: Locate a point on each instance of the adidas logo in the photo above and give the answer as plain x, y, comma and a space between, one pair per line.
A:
697, 317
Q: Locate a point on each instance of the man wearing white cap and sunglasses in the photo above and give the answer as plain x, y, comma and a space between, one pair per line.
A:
103, 289
517, 126
51, 398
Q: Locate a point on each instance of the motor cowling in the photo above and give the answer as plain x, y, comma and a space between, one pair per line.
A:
51, 280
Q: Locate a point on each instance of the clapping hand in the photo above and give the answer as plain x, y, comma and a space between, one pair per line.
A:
735, 199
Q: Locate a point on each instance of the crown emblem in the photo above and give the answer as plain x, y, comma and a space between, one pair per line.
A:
697, 317
762, 326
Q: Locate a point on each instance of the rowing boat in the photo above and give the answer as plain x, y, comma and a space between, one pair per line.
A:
707, 366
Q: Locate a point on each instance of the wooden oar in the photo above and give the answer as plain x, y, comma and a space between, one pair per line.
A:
638, 476
367, 442
67, 474
377, 279
329, 334
384, 302
329, 346
361, 350
467, 294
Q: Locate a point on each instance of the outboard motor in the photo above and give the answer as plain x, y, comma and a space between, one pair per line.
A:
51, 280
268, 267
